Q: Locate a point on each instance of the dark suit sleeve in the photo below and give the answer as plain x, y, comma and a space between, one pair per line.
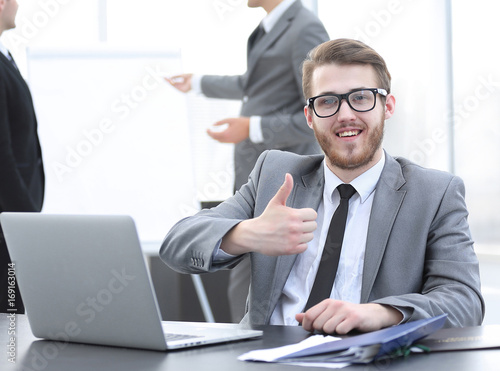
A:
14, 193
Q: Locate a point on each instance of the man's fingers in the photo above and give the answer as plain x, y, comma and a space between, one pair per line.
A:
299, 317
308, 214
223, 122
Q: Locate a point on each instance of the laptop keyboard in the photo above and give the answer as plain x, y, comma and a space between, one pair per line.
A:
171, 336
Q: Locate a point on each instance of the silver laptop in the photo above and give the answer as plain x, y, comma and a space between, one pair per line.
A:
84, 279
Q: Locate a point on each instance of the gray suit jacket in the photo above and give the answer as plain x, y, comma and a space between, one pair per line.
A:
419, 254
272, 88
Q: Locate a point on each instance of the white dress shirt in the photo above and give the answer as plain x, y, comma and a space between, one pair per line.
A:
347, 284
4, 50
268, 22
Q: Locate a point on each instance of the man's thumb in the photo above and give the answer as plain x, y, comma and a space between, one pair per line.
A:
286, 188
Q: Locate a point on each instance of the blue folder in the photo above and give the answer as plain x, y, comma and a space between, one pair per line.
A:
390, 340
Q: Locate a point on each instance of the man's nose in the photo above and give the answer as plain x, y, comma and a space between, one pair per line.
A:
345, 113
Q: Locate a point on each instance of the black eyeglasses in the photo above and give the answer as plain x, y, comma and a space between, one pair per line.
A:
361, 100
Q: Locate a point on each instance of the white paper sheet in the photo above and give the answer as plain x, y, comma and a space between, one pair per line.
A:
273, 354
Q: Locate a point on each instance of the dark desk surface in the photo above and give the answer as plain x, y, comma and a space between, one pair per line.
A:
36, 355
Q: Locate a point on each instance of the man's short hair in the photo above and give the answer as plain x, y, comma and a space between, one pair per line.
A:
344, 52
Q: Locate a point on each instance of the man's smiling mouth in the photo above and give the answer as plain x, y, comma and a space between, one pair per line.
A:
349, 133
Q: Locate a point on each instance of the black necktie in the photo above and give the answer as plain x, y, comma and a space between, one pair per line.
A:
255, 36
327, 270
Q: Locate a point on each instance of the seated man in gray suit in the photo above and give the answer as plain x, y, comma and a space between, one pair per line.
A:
406, 250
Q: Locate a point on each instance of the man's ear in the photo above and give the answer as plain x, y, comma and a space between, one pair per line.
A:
308, 113
390, 106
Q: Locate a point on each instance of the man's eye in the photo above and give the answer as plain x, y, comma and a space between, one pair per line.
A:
358, 97
328, 101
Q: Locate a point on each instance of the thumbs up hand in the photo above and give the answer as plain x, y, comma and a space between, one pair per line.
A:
282, 195
280, 230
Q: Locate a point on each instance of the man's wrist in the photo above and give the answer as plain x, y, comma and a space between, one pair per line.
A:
394, 316
233, 242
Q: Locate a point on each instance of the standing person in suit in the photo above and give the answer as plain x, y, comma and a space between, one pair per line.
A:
271, 92
406, 251
21, 170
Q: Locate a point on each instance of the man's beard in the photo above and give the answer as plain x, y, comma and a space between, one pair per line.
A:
351, 161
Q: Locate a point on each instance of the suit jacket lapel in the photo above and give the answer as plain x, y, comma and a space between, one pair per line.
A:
386, 205
255, 53
8, 63
306, 193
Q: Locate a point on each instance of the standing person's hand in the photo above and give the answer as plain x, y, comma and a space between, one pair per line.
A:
181, 82
234, 130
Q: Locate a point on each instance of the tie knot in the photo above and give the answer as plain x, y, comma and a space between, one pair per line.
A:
346, 191
256, 35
